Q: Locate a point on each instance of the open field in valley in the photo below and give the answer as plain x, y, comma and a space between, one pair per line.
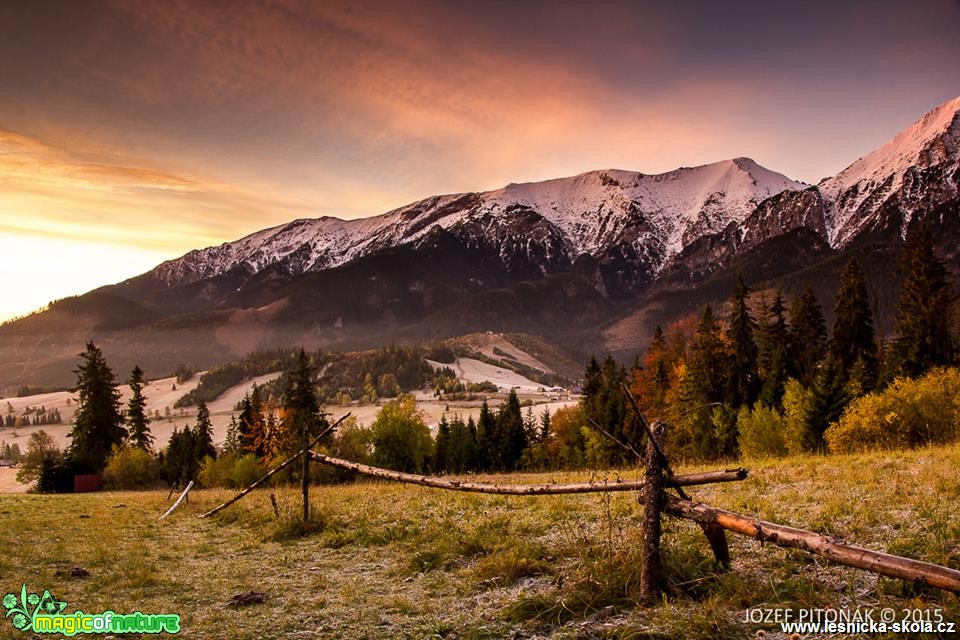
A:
387, 560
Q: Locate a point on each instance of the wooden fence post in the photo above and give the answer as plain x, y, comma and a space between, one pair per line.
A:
306, 471
653, 501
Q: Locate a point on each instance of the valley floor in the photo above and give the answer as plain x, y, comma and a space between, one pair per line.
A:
392, 561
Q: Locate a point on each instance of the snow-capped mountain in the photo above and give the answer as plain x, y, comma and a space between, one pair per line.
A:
654, 216
915, 171
595, 260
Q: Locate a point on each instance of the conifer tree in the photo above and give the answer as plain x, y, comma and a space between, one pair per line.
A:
231, 444
253, 424
98, 420
853, 344
511, 433
138, 424
203, 434
704, 385
544, 425
301, 407
486, 438
472, 459
442, 448
774, 349
743, 380
926, 310
809, 336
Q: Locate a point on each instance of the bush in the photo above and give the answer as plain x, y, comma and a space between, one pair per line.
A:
217, 472
130, 468
400, 437
247, 470
761, 432
908, 413
797, 407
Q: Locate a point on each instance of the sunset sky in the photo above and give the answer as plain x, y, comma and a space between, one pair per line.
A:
132, 132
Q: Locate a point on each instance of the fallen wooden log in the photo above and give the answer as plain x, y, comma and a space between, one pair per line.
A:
273, 471
708, 477
875, 561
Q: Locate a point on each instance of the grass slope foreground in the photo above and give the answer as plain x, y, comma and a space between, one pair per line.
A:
391, 561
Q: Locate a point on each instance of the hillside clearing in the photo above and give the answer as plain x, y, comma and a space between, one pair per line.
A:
386, 560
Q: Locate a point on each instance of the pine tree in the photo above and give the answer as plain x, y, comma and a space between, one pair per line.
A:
473, 458
926, 308
743, 380
98, 420
544, 425
853, 339
253, 424
231, 444
512, 437
203, 434
809, 336
774, 350
301, 408
704, 385
442, 448
486, 438
138, 424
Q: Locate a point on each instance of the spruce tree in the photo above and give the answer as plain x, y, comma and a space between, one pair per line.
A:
203, 434
926, 308
544, 425
138, 424
742, 380
442, 448
98, 420
809, 336
301, 408
511, 433
486, 439
253, 424
853, 339
231, 444
774, 353
704, 385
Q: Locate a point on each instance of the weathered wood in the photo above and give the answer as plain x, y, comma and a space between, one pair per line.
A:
874, 561
179, 500
305, 471
653, 500
525, 489
273, 471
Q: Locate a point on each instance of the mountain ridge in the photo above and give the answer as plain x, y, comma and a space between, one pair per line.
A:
567, 257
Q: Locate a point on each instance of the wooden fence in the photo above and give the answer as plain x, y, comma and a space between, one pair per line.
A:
658, 478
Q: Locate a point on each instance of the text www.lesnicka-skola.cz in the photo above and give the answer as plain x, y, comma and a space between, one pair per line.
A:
858, 620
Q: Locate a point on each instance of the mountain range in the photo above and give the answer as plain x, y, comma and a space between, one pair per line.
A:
592, 261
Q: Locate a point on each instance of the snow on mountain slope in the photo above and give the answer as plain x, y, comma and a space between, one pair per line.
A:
684, 204
592, 211
854, 195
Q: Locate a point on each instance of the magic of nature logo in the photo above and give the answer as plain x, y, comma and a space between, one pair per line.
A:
43, 613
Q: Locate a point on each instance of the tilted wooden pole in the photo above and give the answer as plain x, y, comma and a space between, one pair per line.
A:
273, 471
179, 500
875, 561
708, 477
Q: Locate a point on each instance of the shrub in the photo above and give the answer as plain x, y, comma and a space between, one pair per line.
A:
908, 413
797, 406
218, 472
130, 468
761, 432
247, 470
401, 438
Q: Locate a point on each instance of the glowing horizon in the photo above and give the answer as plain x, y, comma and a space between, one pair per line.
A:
131, 133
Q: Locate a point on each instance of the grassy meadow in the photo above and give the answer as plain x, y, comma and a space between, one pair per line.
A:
391, 561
